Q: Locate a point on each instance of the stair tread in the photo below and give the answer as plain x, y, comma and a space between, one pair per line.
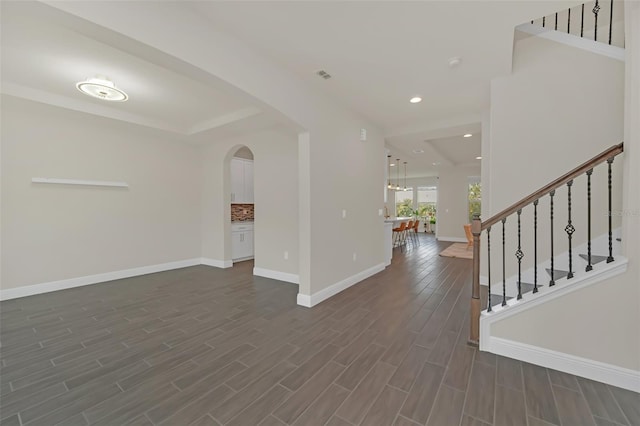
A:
557, 273
496, 299
527, 288
594, 258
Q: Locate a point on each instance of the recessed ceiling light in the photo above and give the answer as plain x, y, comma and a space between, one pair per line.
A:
418, 151
478, 158
102, 88
455, 61
415, 99
436, 163
392, 164
467, 135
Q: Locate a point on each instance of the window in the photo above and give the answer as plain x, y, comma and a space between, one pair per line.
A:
475, 199
427, 199
404, 203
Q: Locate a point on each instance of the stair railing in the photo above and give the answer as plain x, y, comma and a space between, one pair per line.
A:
478, 226
595, 10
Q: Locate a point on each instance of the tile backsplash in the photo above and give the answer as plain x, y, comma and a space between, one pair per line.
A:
241, 212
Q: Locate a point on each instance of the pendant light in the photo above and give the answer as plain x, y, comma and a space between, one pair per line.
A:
405, 175
397, 174
389, 186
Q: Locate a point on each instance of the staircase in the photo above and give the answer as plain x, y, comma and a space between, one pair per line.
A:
558, 273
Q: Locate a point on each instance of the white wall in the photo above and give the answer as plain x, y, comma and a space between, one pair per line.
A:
345, 174
275, 155
548, 117
453, 202
599, 322
560, 107
57, 232
333, 162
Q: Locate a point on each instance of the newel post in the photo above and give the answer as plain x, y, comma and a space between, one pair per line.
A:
476, 229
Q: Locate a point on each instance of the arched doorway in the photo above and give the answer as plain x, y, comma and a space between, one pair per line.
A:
241, 179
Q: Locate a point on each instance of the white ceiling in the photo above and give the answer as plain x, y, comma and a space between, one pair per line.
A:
379, 55
44, 55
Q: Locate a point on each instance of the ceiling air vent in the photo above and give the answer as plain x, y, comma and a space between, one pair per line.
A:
324, 74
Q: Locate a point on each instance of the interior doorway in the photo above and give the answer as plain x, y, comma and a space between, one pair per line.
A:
242, 205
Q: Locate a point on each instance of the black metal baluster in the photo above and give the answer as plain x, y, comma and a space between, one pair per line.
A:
535, 246
519, 256
552, 282
556, 25
569, 21
610, 21
595, 11
544, 20
610, 258
569, 229
504, 275
589, 266
582, 22
489, 269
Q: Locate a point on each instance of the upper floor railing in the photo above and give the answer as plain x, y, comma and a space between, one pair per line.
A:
596, 20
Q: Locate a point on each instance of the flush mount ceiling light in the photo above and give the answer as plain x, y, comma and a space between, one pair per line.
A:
455, 61
415, 99
102, 88
467, 135
478, 158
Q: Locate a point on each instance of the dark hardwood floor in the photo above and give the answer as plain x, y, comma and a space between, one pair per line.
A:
206, 346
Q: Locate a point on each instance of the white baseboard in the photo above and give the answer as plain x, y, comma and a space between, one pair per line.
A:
216, 263
452, 239
277, 275
304, 300
30, 290
583, 367
312, 300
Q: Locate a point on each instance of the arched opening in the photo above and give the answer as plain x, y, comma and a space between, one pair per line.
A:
241, 204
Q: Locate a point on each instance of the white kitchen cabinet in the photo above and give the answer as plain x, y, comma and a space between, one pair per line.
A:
241, 181
241, 241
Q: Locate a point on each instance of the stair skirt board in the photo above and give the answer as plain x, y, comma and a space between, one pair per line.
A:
599, 244
564, 286
595, 370
590, 369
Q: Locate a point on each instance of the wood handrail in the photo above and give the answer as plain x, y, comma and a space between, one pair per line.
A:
583, 168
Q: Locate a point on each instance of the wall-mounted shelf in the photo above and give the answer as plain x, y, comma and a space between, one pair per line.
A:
80, 182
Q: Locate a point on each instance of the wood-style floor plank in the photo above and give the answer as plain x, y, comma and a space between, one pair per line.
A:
216, 347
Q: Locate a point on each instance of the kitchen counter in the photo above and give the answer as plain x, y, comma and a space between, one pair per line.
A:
397, 219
